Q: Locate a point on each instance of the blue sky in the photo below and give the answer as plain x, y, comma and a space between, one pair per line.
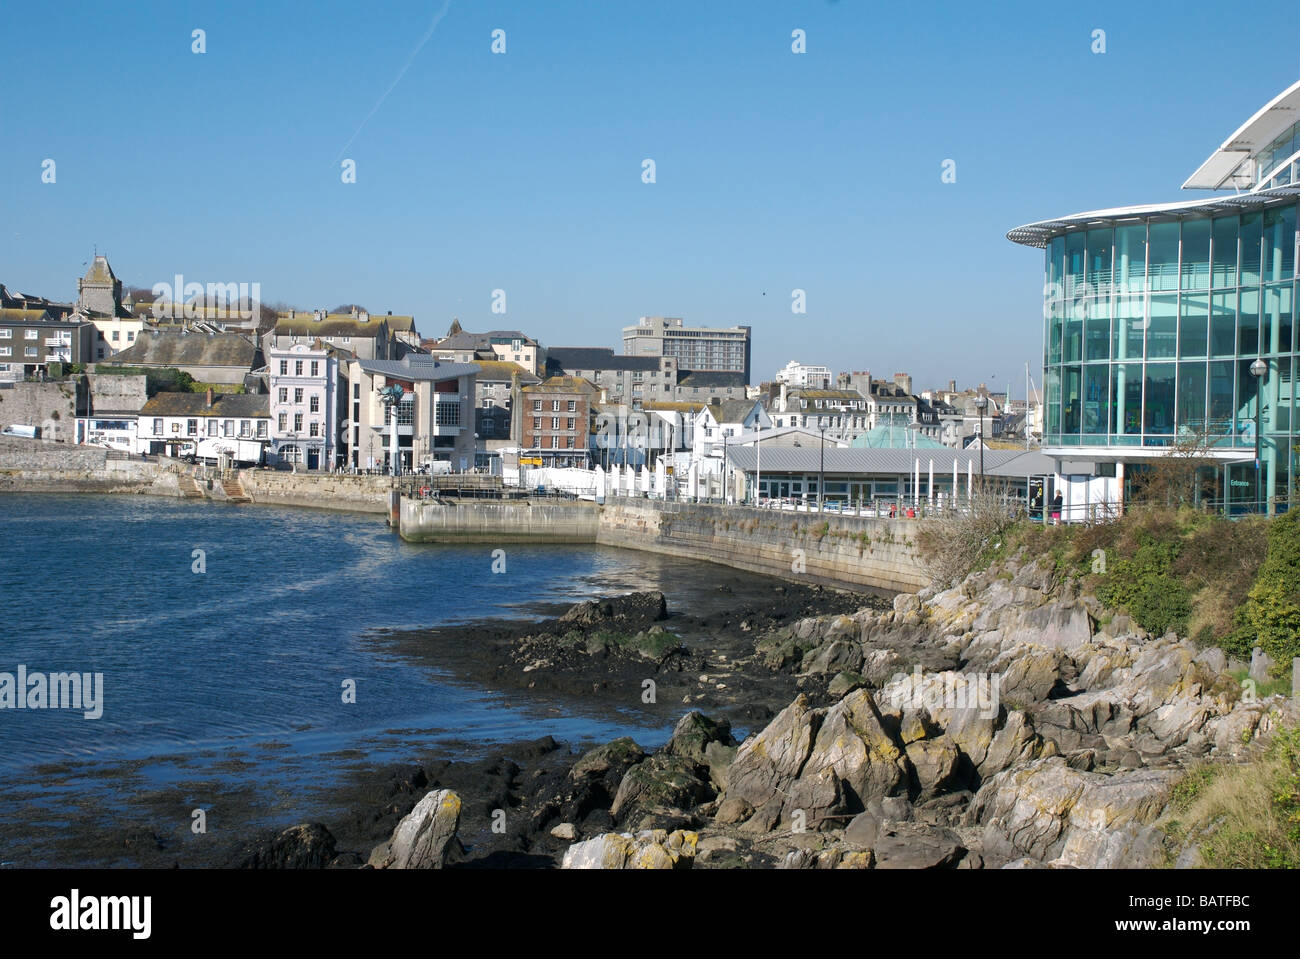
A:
522, 171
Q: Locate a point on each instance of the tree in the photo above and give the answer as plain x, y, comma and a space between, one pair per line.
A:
1178, 478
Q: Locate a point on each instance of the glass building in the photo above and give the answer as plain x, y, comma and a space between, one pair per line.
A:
1155, 316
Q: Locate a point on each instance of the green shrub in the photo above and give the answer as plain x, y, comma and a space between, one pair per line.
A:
1271, 616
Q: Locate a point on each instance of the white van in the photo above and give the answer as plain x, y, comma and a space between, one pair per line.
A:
18, 429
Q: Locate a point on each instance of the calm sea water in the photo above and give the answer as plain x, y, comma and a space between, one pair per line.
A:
258, 645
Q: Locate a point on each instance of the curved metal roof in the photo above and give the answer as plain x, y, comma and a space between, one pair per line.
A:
1037, 234
1252, 136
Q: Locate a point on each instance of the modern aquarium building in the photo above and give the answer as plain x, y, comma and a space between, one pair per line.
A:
1171, 329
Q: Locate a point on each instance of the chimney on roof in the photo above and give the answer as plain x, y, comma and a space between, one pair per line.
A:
363, 316
784, 389
210, 397
354, 309
291, 312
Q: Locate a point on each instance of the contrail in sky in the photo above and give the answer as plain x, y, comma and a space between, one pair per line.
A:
397, 79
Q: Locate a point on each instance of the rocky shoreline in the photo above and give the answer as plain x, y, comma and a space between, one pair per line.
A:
1007, 722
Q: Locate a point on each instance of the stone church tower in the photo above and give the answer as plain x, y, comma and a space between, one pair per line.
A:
99, 292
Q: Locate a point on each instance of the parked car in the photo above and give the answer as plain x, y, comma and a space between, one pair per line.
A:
18, 429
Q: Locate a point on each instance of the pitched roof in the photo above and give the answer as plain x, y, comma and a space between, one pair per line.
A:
233, 405
569, 358
418, 366
175, 348
674, 406
563, 384
497, 370
711, 378
333, 324
731, 411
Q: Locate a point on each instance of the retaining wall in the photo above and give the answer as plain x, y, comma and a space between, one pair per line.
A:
520, 521
832, 550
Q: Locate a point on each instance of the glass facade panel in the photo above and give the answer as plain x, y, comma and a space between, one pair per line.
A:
1099, 267
1159, 401
1096, 329
1251, 230
1191, 398
1162, 331
1131, 258
1096, 397
1220, 420
1071, 410
1162, 257
1279, 244
1224, 271
1196, 255
1126, 399
1248, 323
1223, 324
1193, 325
1130, 327
1074, 276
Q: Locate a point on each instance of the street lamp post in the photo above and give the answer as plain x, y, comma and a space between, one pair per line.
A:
821, 476
981, 404
1258, 369
725, 467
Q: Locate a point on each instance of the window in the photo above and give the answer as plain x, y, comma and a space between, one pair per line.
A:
315, 368
282, 423
261, 429
570, 442
573, 405
191, 427
555, 406
555, 422
130, 336
212, 427
284, 367
6, 334
6, 351
356, 391
537, 422
245, 428
297, 367
297, 422
315, 403
29, 351
284, 394
114, 336
297, 395
571, 421
228, 428
35, 334
157, 427
314, 430
447, 414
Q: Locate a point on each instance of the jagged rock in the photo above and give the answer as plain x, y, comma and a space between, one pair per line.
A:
566, 831
651, 849
881, 665
935, 762
1031, 677
694, 733
615, 757
833, 657
907, 603
630, 611
733, 809
845, 683
664, 781
1033, 810
766, 764
423, 838
855, 745
305, 846
912, 846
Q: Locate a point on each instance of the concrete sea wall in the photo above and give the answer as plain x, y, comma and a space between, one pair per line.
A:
831, 550
362, 494
521, 521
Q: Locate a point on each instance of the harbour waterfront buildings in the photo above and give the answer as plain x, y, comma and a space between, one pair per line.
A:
1173, 325
696, 348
